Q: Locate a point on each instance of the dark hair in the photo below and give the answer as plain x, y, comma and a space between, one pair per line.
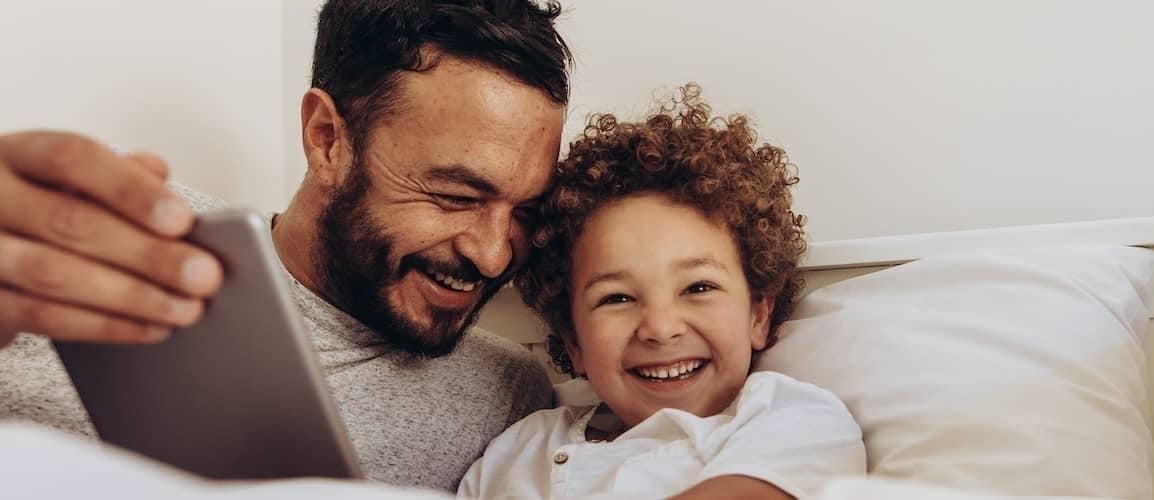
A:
363, 46
680, 151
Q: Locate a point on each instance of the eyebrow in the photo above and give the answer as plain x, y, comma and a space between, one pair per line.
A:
458, 174
682, 264
613, 276
693, 262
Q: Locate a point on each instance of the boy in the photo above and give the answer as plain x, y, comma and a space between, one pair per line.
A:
668, 256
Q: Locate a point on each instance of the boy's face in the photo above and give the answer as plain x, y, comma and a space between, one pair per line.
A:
662, 309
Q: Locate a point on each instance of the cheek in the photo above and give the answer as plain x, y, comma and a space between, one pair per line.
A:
727, 329
417, 230
602, 339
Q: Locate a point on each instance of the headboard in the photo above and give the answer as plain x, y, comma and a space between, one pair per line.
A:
832, 261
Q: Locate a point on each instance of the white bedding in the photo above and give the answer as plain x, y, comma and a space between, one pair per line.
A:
884, 489
1017, 371
37, 463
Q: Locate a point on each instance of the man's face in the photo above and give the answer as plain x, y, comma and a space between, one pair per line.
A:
435, 214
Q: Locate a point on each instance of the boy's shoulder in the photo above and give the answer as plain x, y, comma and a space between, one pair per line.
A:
552, 420
552, 425
769, 390
771, 381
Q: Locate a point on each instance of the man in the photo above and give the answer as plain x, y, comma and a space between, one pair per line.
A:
430, 130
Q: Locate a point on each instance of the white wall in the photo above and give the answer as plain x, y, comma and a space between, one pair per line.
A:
905, 116
198, 82
902, 115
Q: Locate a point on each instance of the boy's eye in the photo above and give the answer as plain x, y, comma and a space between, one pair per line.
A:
700, 287
615, 298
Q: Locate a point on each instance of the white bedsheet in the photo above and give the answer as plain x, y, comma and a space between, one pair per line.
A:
38, 463
883, 489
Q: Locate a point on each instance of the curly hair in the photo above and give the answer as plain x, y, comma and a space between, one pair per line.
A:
680, 151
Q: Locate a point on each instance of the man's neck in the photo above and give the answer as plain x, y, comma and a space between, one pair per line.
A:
295, 237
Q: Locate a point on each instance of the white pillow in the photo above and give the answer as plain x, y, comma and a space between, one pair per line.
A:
1014, 371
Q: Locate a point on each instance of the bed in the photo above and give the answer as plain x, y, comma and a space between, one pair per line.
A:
1008, 361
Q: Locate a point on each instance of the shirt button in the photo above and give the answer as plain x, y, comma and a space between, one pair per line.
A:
560, 458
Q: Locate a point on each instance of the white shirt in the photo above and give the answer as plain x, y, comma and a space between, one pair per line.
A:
792, 434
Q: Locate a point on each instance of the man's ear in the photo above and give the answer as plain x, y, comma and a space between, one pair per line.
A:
574, 353
759, 315
326, 140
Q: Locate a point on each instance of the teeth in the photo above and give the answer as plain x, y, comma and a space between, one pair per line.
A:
675, 370
454, 283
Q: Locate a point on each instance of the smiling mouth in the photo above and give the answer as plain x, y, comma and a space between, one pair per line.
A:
452, 283
680, 370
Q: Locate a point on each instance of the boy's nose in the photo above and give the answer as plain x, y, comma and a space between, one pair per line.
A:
660, 325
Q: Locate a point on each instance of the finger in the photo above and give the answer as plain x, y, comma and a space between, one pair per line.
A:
75, 163
6, 337
153, 163
47, 273
82, 227
64, 322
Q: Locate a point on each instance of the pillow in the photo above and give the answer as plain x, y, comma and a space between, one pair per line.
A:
1015, 371
874, 488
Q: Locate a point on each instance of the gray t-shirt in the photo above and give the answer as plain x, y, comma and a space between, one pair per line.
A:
413, 421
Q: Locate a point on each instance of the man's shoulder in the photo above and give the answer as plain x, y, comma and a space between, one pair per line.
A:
34, 386
485, 346
510, 369
198, 200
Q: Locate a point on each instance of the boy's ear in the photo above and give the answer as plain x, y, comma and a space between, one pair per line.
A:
574, 353
759, 323
325, 138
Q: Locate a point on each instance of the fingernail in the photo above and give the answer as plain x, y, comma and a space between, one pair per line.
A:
170, 216
182, 311
156, 333
198, 273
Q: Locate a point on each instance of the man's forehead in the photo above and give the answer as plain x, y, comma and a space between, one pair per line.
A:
457, 99
469, 124
454, 80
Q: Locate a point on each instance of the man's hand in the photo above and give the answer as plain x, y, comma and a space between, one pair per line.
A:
90, 244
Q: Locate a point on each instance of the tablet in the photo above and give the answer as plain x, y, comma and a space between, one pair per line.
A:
238, 395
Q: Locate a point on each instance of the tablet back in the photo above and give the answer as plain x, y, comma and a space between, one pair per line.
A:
239, 395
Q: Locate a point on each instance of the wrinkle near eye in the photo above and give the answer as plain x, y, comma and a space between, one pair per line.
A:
389, 179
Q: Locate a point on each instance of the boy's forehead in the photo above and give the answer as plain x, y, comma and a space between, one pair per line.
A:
650, 229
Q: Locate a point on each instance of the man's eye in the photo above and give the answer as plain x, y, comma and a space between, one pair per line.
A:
700, 287
614, 298
456, 201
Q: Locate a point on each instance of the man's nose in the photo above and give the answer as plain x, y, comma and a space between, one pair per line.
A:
487, 243
660, 324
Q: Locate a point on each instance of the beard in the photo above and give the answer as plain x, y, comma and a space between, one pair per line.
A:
357, 270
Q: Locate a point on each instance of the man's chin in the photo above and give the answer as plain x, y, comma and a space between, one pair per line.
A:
423, 328
435, 333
